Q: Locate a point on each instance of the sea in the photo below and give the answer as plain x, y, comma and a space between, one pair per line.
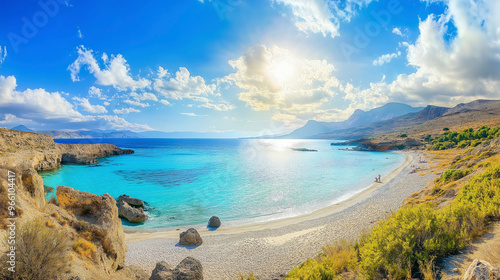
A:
242, 181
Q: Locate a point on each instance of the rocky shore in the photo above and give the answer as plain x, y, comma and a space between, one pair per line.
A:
88, 222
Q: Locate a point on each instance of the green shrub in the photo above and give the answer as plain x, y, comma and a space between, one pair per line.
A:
451, 175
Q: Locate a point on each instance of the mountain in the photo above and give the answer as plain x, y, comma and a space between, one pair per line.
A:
392, 125
22, 128
359, 118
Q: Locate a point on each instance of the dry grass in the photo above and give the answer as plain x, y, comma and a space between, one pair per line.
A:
41, 252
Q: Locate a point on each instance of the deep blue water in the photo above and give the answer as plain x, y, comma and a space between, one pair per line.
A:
186, 181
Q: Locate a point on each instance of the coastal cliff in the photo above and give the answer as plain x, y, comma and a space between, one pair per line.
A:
88, 222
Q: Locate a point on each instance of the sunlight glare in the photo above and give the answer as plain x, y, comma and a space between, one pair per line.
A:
282, 71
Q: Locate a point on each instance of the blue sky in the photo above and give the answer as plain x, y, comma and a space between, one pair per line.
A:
261, 67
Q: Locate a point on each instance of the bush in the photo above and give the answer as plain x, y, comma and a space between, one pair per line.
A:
85, 248
334, 260
41, 252
451, 175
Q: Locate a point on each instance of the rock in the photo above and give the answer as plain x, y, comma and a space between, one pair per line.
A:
130, 200
190, 237
33, 183
481, 270
214, 222
101, 214
188, 269
133, 215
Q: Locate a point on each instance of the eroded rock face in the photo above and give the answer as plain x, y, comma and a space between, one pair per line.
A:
130, 200
133, 215
190, 237
481, 270
188, 269
214, 222
100, 212
33, 184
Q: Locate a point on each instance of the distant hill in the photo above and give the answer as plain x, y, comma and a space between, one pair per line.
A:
313, 129
22, 128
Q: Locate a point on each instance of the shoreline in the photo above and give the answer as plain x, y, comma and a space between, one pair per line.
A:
132, 235
270, 249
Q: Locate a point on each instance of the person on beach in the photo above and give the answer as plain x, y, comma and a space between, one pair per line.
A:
379, 178
376, 179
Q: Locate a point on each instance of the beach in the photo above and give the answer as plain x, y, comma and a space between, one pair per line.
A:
271, 249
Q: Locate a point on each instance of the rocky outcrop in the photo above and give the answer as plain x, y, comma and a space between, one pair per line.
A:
101, 215
214, 222
27, 150
481, 270
190, 237
133, 215
188, 269
33, 184
130, 200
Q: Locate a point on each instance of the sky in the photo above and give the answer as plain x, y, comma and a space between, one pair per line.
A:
260, 67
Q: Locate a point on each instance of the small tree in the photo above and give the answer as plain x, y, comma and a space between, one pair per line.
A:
446, 129
41, 252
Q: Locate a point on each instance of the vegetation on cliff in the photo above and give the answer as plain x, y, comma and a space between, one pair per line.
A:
468, 137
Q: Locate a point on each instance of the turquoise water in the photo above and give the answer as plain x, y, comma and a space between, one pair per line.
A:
186, 181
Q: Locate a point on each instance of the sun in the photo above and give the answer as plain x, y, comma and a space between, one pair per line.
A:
282, 71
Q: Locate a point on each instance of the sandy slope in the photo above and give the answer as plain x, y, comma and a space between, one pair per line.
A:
273, 248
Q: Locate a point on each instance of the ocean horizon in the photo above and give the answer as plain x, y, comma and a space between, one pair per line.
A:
242, 181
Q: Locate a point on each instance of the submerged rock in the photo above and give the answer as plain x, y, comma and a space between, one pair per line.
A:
188, 269
132, 201
133, 215
190, 237
214, 222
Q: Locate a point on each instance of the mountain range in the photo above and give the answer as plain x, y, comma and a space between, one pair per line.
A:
387, 119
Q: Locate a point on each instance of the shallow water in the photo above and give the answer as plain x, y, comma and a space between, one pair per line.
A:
186, 181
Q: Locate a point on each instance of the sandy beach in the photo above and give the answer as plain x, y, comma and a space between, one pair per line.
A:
271, 249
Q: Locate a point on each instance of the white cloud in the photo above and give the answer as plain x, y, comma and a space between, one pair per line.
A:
13, 120
386, 58
115, 72
96, 93
453, 70
50, 110
94, 109
183, 85
136, 103
274, 78
3, 54
35, 103
186, 86
193, 115
397, 31
126, 111
164, 102
117, 123
143, 96
322, 16
80, 35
